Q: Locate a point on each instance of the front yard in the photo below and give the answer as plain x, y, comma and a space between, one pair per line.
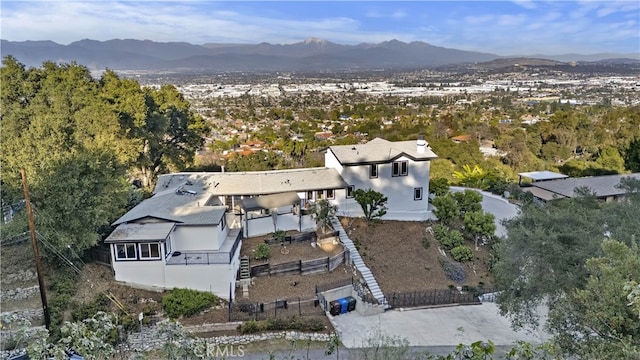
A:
395, 253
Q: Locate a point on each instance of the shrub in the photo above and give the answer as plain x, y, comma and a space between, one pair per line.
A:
450, 238
462, 253
439, 231
281, 324
187, 302
250, 327
263, 252
453, 270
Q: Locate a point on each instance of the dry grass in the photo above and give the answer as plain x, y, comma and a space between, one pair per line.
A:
395, 253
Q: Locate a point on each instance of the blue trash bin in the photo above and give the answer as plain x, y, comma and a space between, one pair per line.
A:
344, 305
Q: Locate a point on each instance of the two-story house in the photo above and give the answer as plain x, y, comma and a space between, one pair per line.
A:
399, 170
176, 239
189, 233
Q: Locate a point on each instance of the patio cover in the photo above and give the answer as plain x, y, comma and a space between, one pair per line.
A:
271, 201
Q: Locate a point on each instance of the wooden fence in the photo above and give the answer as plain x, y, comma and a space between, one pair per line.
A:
307, 236
101, 255
302, 267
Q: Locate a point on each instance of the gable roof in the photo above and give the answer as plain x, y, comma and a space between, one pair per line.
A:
602, 186
380, 150
253, 182
177, 207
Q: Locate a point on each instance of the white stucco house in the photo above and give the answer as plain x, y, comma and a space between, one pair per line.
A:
399, 170
176, 239
189, 233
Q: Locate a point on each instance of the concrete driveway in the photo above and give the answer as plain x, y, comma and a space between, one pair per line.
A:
445, 326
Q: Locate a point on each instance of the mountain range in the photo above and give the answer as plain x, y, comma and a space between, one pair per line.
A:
310, 55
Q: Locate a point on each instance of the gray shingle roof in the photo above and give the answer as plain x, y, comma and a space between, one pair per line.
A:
380, 150
140, 232
253, 182
170, 206
601, 185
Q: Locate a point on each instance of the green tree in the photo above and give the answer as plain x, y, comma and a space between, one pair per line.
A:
446, 208
323, 211
373, 203
55, 128
610, 159
595, 321
548, 247
632, 156
479, 225
439, 186
468, 201
171, 134
442, 169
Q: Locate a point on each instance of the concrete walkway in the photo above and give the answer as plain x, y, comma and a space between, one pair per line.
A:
357, 261
445, 326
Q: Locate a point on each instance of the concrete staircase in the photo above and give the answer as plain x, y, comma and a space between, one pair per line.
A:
357, 261
245, 270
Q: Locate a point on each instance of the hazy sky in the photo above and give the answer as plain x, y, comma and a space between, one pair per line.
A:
499, 27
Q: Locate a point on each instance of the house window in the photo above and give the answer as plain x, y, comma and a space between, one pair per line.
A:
331, 194
373, 171
309, 195
319, 194
350, 190
126, 252
400, 168
417, 193
149, 251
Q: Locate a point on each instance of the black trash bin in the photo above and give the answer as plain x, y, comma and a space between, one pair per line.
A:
334, 307
351, 303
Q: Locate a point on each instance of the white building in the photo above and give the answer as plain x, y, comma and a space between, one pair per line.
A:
174, 239
189, 233
398, 170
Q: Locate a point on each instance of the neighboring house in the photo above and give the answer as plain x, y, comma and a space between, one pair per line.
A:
461, 138
176, 239
263, 201
398, 170
604, 187
189, 233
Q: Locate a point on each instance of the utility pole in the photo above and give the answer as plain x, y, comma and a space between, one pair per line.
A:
36, 253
